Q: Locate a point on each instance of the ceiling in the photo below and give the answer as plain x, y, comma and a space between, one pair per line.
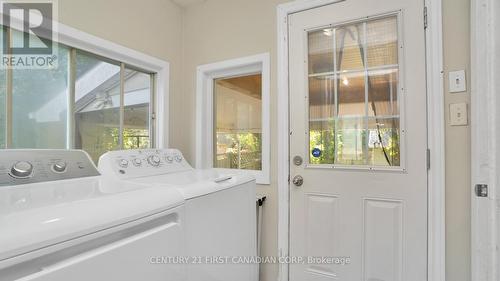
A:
185, 3
250, 85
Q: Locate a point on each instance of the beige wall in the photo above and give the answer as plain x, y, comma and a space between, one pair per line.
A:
456, 34
218, 30
152, 27
223, 29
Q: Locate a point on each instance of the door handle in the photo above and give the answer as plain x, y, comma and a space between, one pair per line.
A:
298, 180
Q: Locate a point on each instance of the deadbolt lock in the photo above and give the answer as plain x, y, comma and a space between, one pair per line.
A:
297, 160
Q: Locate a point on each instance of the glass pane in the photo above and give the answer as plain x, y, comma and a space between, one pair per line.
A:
238, 122
354, 110
349, 44
39, 109
383, 93
351, 94
3, 89
97, 105
320, 44
351, 141
136, 100
321, 124
383, 142
382, 42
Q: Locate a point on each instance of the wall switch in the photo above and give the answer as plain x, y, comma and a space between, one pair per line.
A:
458, 114
457, 81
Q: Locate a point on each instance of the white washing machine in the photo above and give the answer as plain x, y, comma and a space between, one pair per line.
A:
220, 210
60, 220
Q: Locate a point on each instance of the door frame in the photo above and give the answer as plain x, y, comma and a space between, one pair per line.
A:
485, 119
435, 138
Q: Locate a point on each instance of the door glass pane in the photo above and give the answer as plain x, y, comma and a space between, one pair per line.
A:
238, 122
382, 42
97, 105
351, 94
383, 142
320, 44
321, 121
136, 113
348, 43
351, 140
39, 105
353, 111
383, 92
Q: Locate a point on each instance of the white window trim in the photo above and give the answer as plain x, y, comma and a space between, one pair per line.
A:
204, 108
84, 41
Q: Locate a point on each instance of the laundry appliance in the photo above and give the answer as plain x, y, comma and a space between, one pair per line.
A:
61, 220
220, 209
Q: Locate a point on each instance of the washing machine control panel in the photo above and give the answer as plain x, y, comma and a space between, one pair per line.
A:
142, 162
23, 166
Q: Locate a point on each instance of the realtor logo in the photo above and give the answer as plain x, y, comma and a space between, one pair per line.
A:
28, 36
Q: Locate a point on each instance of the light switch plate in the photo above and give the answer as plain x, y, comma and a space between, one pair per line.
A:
458, 114
457, 81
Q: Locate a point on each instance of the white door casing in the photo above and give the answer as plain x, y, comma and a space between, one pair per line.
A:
485, 67
376, 216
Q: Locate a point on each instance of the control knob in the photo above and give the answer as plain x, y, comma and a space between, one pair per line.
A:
123, 163
21, 169
137, 162
169, 158
178, 158
154, 160
59, 166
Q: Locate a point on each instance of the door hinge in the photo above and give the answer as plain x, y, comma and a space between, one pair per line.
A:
153, 115
428, 159
425, 17
481, 190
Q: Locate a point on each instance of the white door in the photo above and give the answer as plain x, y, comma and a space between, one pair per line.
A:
358, 122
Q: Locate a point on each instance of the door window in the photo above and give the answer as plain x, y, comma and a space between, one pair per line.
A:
354, 99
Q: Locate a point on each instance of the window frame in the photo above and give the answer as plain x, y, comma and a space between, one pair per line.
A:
400, 96
126, 58
206, 74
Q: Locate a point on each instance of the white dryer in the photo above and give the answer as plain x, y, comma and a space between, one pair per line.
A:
60, 220
220, 210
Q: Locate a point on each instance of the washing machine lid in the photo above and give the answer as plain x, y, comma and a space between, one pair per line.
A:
168, 168
198, 182
34, 216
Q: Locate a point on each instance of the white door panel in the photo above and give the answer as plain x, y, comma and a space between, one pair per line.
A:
358, 121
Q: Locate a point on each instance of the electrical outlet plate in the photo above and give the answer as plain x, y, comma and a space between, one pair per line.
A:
458, 114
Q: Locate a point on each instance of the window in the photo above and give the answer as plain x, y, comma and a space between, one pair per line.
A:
100, 108
233, 116
238, 122
137, 103
354, 114
111, 104
97, 105
3, 91
40, 105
